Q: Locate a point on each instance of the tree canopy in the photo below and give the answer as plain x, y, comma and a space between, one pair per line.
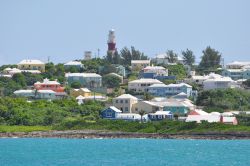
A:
188, 57
210, 59
171, 56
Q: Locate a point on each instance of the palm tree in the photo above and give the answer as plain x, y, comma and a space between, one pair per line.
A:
171, 56
188, 57
141, 113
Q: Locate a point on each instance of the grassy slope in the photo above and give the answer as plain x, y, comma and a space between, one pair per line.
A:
4, 128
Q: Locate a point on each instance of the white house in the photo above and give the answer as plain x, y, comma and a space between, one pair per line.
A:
141, 85
125, 102
76, 64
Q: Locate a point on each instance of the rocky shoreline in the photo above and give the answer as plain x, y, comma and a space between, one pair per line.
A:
86, 134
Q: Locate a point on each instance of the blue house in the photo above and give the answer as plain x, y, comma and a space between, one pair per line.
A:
110, 113
163, 90
160, 115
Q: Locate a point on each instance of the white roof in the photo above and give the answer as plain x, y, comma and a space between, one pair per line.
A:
115, 109
46, 91
229, 119
238, 63
146, 80
32, 71
215, 113
154, 68
199, 118
23, 91
47, 82
170, 85
30, 61
128, 116
115, 74
83, 89
140, 61
73, 63
126, 96
227, 114
201, 112
82, 75
161, 113
80, 97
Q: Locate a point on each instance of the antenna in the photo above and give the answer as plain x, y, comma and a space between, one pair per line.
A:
98, 52
48, 59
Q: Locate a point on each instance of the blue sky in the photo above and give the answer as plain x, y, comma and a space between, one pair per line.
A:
64, 29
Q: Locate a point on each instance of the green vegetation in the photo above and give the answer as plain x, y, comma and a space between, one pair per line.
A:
165, 126
4, 128
177, 70
111, 81
171, 56
210, 60
17, 111
188, 57
224, 99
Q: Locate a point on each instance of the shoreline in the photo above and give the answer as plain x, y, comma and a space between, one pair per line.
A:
92, 134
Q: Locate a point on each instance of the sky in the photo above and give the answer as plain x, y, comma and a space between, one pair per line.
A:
64, 29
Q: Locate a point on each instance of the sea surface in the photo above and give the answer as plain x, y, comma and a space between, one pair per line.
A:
116, 152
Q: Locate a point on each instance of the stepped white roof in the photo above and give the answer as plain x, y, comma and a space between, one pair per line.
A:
126, 96
115, 109
83, 89
199, 118
154, 68
170, 85
82, 75
30, 61
47, 82
146, 80
140, 61
73, 63
161, 113
80, 97
46, 91
23, 91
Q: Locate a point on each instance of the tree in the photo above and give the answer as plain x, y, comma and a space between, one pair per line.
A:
141, 113
116, 58
133, 54
75, 85
247, 83
20, 79
147, 96
210, 59
111, 81
188, 57
171, 56
177, 70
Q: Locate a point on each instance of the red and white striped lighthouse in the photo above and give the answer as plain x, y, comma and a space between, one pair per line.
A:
111, 41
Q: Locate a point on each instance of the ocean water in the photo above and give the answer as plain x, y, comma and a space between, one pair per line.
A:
124, 152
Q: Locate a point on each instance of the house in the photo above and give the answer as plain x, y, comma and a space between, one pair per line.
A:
45, 94
89, 80
24, 93
137, 65
12, 71
156, 72
199, 116
84, 92
170, 90
160, 115
147, 106
237, 70
175, 106
110, 113
125, 102
131, 117
75, 64
142, 85
121, 70
38, 94
216, 81
28, 64
49, 85
80, 99
163, 59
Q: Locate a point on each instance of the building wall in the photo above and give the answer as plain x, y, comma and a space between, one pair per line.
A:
108, 114
142, 106
124, 104
139, 87
216, 85
89, 82
40, 67
139, 66
176, 109
169, 91
75, 93
56, 88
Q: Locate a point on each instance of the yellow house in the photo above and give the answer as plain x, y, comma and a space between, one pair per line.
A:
138, 65
28, 64
84, 92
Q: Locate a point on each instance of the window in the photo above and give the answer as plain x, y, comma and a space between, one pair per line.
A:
117, 101
121, 101
126, 109
108, 114
126, 101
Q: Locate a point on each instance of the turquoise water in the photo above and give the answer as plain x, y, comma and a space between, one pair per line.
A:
116, 152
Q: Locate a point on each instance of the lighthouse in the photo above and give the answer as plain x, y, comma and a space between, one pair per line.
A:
111, 41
